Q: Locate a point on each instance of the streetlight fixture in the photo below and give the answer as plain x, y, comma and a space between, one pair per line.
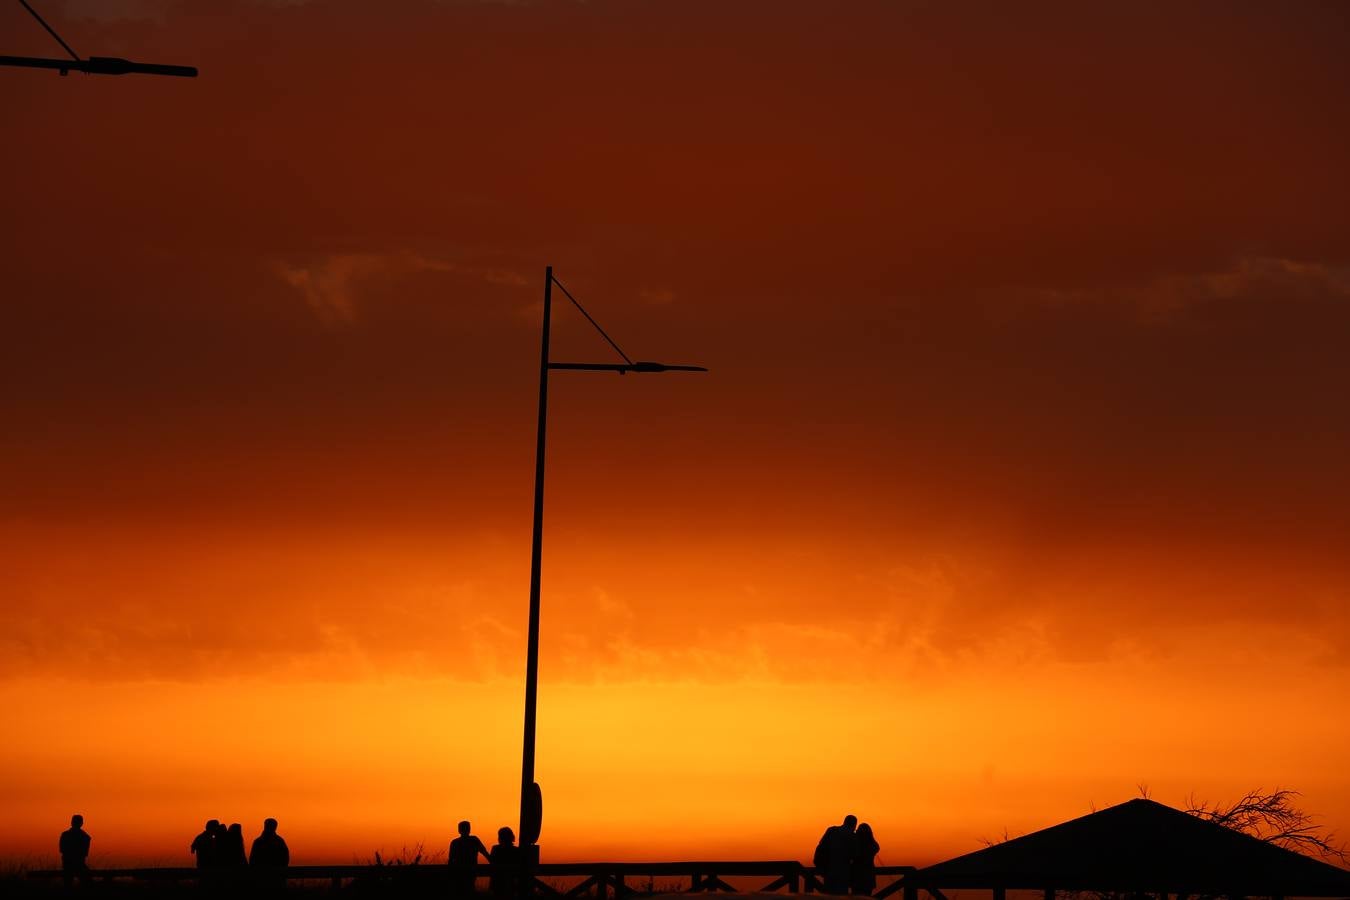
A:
531, 799
94, 65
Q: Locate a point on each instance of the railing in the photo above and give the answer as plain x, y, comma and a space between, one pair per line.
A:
602, 879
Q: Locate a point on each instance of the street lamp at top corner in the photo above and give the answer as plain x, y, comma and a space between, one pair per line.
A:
531, 798
93, 65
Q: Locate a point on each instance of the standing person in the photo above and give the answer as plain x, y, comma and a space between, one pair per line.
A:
220, 844
232, 853
269, 857
864, 877
74, 846
464, 852
204, 845
505, 860
834, 855
269, 848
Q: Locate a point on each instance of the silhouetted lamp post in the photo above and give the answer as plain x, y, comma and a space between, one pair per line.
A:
94, 65
531, 800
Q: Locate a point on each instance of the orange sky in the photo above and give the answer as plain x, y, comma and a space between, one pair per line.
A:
1019, 477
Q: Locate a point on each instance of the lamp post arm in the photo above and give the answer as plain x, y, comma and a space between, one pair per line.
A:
99, 65
111, 65
621, 368
94, 65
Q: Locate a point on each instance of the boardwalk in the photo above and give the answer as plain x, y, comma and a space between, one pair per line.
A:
598, 879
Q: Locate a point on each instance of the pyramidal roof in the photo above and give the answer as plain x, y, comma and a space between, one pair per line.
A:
1141, 846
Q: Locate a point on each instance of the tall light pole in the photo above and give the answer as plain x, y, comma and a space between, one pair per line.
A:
531, 799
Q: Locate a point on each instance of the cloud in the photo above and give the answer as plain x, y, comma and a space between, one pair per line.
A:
332, 285
1088, 314
1275, 281
505, 277
349, 604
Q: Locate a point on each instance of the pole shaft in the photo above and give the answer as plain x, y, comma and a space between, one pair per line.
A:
532, 649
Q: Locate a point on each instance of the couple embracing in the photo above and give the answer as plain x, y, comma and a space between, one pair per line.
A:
846, 858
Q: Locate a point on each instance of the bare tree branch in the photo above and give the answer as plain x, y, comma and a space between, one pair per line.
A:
1273, 817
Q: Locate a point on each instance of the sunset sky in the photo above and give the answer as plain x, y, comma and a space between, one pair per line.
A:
1019, 478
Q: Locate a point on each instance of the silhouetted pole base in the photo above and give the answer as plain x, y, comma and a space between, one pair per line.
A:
529, 867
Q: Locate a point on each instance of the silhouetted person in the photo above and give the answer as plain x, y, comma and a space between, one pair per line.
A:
269, 857
864, 878
834, 855
505, 860
232, 849
269, 848
204, 845
75, 852
464, 852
